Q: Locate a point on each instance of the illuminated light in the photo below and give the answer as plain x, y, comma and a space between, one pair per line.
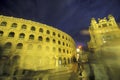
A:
78, 50
80, 47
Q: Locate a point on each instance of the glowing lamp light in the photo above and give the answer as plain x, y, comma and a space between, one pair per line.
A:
78, 50
79, 46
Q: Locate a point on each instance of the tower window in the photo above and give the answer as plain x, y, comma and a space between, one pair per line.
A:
14, 25
58, 35
11, 34
63, 43
19, 46
63, 50
54, 34
104, 25
54, 41
60, 61
41, 30
65, 61
63, 37
1, 33
22, 35
48, 32
8, 45
33, 28
31, 37
24, 26
40, 38
3, 23
59, 49
59, 42
68, 61
47, 39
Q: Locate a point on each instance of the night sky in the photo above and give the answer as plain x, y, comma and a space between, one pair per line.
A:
70, 16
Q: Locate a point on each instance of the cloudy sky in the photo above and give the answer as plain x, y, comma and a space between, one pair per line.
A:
70, 16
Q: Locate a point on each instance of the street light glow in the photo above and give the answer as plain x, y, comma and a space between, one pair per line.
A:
78, 50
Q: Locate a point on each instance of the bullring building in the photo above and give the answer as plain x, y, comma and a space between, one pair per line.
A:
33, 46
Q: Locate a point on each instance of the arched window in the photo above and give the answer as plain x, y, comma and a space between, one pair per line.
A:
66, 38
58, 35
65, 62
47, 39
63, 37
23, 26
59, 42
48, 32
1, 33
54, 41
54, 34
14, 25
30, 46
32, 28
8, 45
67, 52
63, 50
31, 37
11, 34
3, 23
22, 35
19, 46
66, 44
40, 38
68, 61
59, 50
41, 30
60, 61
63, 43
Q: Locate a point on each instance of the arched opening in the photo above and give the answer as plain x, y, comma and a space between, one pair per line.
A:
68, 60
19, 46
65, 62
14, 25
3, 23
11, 34
54, 41
47, 39
41, 30
59, 61
24, 26
32, 28
48, 32
58, 35
40, 38
31, 37
54, 34
59, 42
8, 45
63, 50
59, 49
22, 35
1, 33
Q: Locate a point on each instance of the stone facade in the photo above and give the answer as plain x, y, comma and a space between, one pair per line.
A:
29, 45
102, 32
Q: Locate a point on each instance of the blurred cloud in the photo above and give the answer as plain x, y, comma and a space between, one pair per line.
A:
84, 32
